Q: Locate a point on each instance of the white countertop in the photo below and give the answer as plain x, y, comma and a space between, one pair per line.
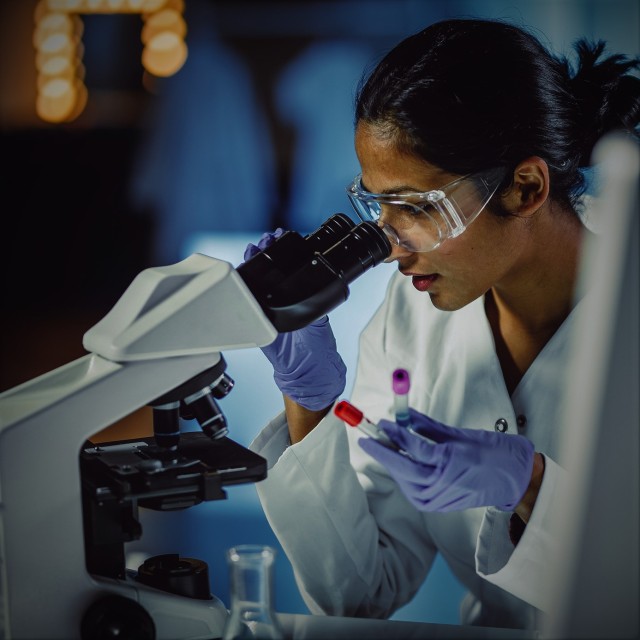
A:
309, 627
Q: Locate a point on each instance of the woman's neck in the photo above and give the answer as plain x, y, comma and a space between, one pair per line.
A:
540, 293
526, 310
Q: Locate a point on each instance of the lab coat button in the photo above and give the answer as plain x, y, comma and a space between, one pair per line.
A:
501, 425
521, 421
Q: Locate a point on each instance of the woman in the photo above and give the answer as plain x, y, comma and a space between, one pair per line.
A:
471, 137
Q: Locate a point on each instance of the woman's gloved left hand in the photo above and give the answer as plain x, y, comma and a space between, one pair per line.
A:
306, 364
456, 468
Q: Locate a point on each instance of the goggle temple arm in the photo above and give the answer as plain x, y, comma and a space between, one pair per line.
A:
453, 213
450, 214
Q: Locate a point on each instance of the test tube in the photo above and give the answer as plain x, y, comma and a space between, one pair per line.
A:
400, 384
355, 418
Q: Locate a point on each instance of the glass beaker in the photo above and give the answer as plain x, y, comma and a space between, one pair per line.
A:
252, 612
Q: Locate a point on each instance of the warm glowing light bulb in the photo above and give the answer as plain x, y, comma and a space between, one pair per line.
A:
57, 44
178, 5
165, 20
51, 24
65, 5
149, 10
95, 5
82, 96
134, 5
56, 22
57, 38
152, 5
56, 100
164, 54
57, 67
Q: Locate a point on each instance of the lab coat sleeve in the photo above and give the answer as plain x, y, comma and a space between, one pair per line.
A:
522, 570
356, 545
355, 548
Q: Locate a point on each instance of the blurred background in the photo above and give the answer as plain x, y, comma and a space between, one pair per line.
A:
250, 129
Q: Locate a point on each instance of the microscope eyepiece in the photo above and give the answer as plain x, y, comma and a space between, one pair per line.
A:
363, 247
329, 232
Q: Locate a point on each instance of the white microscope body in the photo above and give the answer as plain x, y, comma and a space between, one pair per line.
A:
67, 506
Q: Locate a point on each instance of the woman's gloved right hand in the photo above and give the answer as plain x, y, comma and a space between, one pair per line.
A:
306, 364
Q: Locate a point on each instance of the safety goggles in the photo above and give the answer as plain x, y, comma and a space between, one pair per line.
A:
423, 221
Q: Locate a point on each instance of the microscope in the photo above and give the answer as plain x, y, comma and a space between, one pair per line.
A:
68, 506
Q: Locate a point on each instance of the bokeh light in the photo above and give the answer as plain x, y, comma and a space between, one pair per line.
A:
61, 92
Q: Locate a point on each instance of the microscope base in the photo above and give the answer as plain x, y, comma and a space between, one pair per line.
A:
172, 616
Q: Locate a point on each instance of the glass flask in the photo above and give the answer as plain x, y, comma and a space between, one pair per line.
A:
252, 612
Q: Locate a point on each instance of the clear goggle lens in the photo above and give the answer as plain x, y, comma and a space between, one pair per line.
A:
423, 221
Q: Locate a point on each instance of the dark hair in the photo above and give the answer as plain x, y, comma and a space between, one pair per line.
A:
470, 94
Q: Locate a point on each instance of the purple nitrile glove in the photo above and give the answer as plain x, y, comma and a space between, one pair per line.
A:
306, 364
265, 240
460, 469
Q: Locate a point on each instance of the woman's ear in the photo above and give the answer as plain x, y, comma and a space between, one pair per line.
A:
530, 187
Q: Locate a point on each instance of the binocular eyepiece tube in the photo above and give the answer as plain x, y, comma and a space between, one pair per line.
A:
297, 279
364, 246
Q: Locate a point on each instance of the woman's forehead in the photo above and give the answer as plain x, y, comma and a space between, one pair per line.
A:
387, 168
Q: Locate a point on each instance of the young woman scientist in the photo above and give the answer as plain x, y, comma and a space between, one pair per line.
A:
479, 313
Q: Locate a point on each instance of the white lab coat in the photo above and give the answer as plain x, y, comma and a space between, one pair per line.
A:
357, 546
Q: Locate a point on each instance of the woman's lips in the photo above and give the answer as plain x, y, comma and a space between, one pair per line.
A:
422, 283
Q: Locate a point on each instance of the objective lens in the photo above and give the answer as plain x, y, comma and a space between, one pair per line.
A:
223, 386
166, 425
206, 411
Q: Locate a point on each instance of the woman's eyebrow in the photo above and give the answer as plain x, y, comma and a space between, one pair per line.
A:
399, 189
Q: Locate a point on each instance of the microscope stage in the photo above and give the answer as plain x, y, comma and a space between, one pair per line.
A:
164, 479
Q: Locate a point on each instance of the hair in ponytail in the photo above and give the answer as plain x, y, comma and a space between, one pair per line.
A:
468, 95
608, 97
